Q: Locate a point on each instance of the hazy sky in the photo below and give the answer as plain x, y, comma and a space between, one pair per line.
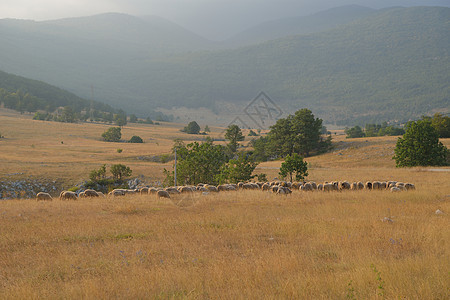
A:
210, 18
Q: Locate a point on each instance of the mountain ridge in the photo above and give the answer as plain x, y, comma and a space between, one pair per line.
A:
373, 67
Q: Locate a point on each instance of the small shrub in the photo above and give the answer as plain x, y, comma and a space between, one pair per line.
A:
136, 139
119, 150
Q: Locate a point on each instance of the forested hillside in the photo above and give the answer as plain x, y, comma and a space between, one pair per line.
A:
390, 65
28, 95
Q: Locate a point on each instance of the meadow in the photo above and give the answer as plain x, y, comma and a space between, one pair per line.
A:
231, 245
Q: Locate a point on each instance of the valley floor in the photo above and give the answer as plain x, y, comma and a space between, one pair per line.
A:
239, 245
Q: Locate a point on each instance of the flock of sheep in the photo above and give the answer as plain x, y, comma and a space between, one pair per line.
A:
277, 187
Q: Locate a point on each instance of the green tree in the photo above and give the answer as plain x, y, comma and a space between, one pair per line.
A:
120, 171
294, 165
234, 135
298, 133
354, 132
192, 128
239, 169
113, 134
420, 146
252, 133
136, 139
198, 163
99, 174
442, 124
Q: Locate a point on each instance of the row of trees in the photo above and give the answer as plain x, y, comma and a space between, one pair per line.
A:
291, 138
371, 130
439, 121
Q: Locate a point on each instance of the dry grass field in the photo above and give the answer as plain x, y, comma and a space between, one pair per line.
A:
232, 245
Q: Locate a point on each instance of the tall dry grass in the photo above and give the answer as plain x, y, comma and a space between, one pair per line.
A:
232, 245
239, 245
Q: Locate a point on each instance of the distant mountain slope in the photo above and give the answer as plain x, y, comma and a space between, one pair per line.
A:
393, 65
390, 65
25, 94
300, 25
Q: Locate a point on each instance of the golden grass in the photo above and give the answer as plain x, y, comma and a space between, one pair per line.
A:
231, 245
235, 245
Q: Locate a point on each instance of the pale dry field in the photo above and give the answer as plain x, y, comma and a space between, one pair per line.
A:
235, 245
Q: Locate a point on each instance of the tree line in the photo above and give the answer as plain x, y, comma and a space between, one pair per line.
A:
291, 138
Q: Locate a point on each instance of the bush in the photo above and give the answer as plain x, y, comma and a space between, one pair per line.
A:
192, 128
119, 150
120, 171
354, 132
113, 134
420, 146
136, 139
294, 165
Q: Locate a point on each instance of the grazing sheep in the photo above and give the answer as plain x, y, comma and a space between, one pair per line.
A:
67, 195
283, 190
344, 185
152, 191
185, 190
163, 194
368, 185
212, 188
43, 196
172, 190
376, 185
307, 187
360, 185
240, 185
391, 184
100, 194
395, 189
383, 185
354, 186
314, 185
328, 187
90, 193
222, 188
399, 184
117, 192
320, 187
295, 185
265, 187
275, 188
410, 186
144, 190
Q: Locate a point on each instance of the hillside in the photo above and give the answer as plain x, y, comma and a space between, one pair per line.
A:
23, 94
320, 21
391, 65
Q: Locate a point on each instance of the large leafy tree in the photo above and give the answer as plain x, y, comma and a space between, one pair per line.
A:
442, 124
299, 133
113, 134
198, 163
234, 135
294, 167
420, 146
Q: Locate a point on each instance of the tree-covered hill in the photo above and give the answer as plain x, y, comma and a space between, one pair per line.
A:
320, 21
27, 95
390, 65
